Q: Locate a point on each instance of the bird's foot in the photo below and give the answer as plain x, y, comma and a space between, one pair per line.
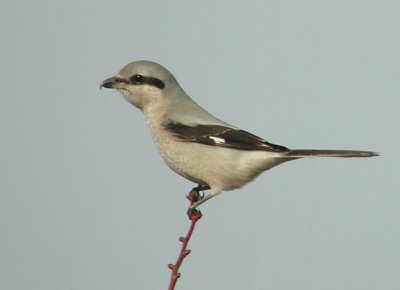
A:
196, 197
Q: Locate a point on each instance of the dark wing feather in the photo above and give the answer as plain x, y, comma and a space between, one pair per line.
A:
218, 135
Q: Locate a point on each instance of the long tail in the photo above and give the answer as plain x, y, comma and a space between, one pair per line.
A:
299, 153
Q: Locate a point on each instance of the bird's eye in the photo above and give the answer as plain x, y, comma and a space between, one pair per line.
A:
137, 79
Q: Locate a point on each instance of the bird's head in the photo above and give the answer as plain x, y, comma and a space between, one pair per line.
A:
142, 83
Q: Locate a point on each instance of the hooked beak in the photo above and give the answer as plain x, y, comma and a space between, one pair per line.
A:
112, 83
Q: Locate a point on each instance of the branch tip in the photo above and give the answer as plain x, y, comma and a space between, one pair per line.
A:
194, 215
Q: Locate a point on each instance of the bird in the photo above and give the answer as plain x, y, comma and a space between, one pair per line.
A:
198, 146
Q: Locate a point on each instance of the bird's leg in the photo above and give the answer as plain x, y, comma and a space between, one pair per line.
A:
196, 196
201, 188
201, 201
200, 198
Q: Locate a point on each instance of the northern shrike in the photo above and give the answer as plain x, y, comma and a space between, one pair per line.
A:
195, 144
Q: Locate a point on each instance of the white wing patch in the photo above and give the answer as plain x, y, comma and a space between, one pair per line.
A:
217, 140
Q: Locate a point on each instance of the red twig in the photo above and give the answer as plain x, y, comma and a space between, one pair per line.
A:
194, 215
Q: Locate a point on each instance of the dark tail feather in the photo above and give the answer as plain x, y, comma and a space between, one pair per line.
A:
329, 153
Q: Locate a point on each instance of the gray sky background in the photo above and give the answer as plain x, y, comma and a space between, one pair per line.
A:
86, 202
